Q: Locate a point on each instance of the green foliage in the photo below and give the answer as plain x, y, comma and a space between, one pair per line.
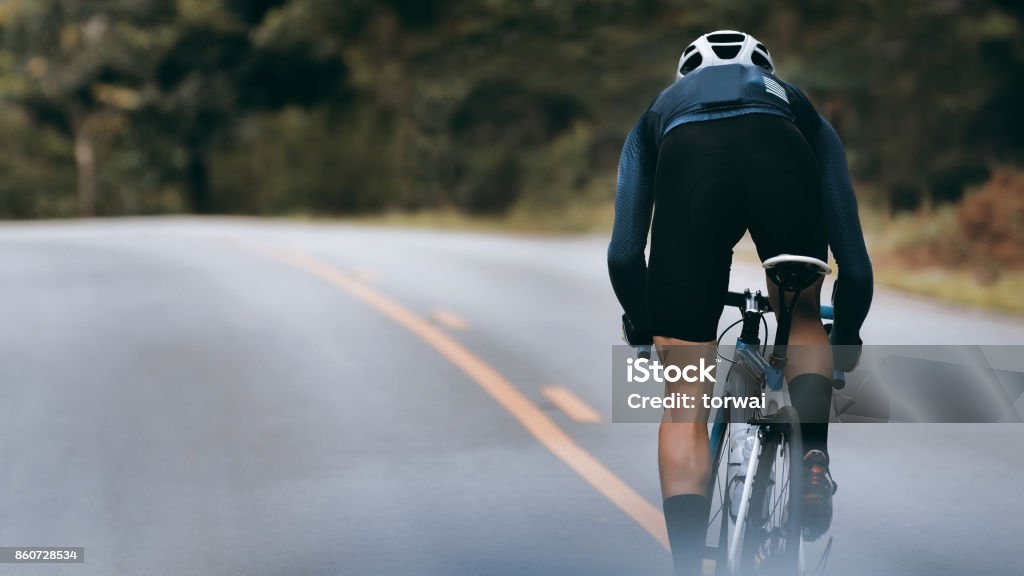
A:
495, 127
486, 106
38, 171
270, 170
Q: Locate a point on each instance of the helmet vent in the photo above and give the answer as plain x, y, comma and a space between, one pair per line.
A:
730, 37
689, 49
759, 60
762, 48
691, 64
726, 52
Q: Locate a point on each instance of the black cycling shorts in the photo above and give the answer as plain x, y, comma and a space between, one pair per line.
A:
715, 180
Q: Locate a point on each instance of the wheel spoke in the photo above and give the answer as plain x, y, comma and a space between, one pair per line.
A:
784, 489
721, 491
772, 543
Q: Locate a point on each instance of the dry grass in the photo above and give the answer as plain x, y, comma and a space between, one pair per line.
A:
575, 219
960, 286
970, 253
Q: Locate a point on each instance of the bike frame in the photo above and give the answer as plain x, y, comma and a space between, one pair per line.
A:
766, 372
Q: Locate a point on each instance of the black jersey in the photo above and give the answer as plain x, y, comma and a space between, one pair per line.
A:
726, 91
719, 92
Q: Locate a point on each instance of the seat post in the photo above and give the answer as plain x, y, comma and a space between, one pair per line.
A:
785, 323
751, 319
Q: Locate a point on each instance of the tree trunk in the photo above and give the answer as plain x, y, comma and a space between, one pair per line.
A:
197, 179
85, 167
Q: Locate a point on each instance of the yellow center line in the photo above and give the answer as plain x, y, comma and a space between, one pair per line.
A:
529, 415
449, 320
567, 401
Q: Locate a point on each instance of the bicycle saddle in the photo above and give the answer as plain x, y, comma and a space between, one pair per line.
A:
794, 273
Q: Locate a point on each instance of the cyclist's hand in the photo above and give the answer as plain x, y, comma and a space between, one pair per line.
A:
845, 355
632, 336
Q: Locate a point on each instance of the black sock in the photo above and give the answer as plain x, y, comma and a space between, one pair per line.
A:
686, 518
812, 397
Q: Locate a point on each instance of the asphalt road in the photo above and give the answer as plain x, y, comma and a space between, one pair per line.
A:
186, 396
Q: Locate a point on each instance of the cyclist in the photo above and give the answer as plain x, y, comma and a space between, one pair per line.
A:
730, 147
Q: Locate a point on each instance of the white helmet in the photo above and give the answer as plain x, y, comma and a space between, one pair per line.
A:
724, 47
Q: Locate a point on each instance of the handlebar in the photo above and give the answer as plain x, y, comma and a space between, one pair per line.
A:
738, 300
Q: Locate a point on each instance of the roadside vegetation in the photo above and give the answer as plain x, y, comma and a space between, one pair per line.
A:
970, 252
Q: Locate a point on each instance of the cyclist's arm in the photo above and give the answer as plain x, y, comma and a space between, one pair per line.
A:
852, 294
634, 203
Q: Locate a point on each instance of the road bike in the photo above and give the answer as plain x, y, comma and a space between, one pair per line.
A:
761, 533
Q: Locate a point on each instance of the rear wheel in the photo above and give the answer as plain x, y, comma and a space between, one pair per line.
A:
772, 531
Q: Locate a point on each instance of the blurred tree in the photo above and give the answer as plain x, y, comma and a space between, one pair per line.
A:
227, 60
78, 67
998, 128
485, 105
499, 120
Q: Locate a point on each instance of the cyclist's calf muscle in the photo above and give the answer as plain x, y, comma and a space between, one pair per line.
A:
684, 459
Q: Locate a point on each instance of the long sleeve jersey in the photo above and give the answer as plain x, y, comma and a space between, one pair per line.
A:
721, 92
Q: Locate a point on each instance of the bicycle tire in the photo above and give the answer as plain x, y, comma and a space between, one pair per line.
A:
772, 533
737, 384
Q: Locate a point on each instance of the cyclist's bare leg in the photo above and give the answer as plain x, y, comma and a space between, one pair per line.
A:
810, 351
809, 372
809, 368
684, 460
